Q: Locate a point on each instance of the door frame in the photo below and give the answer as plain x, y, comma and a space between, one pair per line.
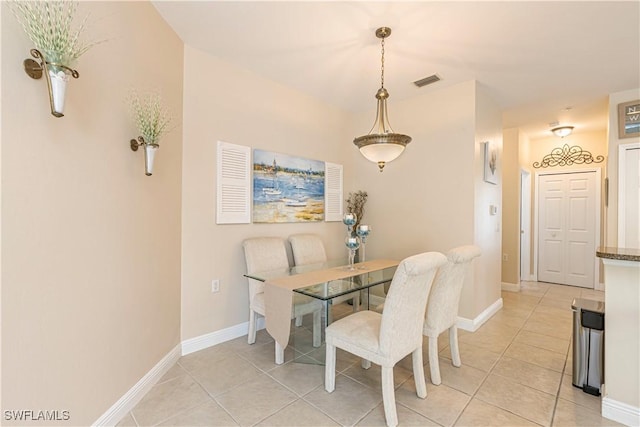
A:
598, 190
622, 153
525, 225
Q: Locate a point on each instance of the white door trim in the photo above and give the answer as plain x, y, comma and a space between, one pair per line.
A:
598, 172
525, 226
622, 153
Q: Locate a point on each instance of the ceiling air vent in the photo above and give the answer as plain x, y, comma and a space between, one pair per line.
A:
427, 80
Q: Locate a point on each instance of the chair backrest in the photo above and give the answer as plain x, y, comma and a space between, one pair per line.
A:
264, 254
442, 308
403, 314
307, 249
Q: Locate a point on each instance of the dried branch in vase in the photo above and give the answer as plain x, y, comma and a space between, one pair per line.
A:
355, 205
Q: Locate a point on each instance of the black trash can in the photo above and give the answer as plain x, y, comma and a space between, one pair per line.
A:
588, 345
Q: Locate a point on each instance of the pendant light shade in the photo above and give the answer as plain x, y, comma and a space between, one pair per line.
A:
381, 145
562, 131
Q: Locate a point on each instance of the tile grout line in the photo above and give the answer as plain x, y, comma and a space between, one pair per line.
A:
212, 398
495, 364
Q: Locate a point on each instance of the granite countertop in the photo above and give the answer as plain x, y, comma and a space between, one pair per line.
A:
622, 254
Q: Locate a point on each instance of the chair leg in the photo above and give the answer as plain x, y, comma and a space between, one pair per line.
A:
389, 396
251, 336
356, 302
330, 368
279, 354
298, 321
418, 373
433, 360
317, 328
453, 343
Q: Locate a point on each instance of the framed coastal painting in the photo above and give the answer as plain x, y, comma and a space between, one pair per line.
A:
287, 188
490, 163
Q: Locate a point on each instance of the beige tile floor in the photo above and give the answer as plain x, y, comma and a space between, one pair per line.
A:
516, 372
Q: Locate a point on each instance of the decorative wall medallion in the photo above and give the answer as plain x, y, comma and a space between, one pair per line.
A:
567, 156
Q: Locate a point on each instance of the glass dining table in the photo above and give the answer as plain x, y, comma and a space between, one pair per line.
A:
363, 278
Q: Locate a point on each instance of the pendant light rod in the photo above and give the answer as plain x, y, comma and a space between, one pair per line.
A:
382, 33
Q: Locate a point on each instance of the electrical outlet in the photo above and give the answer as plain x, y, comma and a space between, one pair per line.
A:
505, 257
215, 285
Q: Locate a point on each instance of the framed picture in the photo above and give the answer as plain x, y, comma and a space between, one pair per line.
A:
490, 163
287, 188
629, 119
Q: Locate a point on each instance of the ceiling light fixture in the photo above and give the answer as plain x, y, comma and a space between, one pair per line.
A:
562, 131
381, 145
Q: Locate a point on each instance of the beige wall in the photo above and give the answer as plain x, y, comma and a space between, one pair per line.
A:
91, 246
611, 234
223, 102
428, 198
295, 124
595, 142
511, 207
487, 228
94, 252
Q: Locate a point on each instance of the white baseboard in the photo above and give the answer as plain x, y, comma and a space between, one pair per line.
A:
511, 287
131, 398
218, 337
620, 412
127, 402
472, 325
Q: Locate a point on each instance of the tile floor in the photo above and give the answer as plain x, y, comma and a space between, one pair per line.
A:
516, 372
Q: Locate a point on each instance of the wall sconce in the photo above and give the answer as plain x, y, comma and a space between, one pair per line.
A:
562, 131
151, 119
57, 76
149, 153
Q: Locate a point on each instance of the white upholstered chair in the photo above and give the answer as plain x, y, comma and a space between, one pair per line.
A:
442, 307
386, 338
309, 249
266, 254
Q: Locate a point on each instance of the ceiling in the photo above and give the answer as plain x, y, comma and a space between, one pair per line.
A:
536, 58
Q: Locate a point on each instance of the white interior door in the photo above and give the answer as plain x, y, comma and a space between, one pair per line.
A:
629, 196
567, 228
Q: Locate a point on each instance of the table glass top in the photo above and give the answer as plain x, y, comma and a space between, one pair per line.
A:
332, 288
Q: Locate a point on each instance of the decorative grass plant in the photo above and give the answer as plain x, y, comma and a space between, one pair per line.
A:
49, 25
150, 116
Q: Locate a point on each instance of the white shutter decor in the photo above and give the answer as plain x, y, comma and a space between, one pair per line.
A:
233, 183
333, 192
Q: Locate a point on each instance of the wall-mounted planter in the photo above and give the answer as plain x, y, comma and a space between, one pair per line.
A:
57, 77
150, 150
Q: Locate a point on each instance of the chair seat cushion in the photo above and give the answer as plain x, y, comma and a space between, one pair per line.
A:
358, 330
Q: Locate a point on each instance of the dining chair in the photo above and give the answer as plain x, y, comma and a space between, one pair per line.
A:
442, 307
266, 254
309, 249
386, 338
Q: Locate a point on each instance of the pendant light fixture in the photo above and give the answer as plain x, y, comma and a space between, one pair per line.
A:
381, 145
